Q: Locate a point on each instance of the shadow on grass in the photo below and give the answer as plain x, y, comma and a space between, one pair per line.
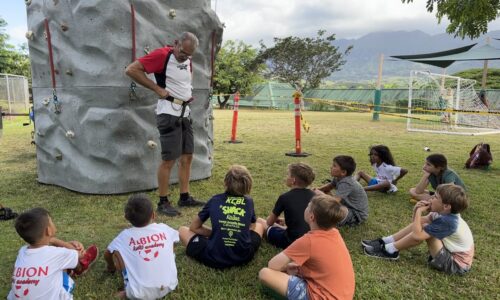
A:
20, 157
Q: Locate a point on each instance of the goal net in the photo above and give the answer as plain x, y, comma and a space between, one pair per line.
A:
448, 104
14, 97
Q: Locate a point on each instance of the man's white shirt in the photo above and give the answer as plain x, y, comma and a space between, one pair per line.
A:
178, 85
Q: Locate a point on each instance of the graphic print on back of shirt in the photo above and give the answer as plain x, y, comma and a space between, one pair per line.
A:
233, 210
147, 247
23, 277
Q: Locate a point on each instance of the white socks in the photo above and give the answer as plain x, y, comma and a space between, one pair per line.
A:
390, 248
388, 239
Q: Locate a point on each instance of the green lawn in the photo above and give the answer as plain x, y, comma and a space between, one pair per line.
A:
266, 136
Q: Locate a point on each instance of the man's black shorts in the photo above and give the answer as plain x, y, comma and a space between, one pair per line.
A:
176, 136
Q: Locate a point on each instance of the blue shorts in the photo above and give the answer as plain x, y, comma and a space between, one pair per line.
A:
373, 181
297, 288
277, 237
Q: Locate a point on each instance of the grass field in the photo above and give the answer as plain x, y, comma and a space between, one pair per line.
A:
266, 136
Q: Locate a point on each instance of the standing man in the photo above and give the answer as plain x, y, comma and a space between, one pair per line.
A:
172, 67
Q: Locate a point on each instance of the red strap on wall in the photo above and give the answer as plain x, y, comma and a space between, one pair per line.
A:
51, 58
132, 16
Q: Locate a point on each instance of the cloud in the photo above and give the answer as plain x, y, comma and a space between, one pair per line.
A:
17, 35
251, 21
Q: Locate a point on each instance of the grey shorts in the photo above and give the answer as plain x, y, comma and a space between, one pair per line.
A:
176, 136
444, 262
349, 220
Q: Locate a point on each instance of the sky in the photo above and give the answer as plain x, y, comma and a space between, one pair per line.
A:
252, 21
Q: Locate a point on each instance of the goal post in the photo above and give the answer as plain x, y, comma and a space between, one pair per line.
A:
447, 104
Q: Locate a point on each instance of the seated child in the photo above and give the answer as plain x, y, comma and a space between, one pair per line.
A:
235, 236
40, 268
292, 203
349, 192
144, 254
479, 157
318, 264
436, 172
448, 237
387, 173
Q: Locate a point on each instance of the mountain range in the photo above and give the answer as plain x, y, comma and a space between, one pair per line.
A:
363, 60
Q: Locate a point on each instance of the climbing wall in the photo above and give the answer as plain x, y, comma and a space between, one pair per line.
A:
95, 133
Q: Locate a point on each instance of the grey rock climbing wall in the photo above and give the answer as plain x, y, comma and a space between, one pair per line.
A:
103, 141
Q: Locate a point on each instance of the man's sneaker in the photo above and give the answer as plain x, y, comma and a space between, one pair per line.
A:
89, 257
373, 244
190, 201
381, 253
167, 209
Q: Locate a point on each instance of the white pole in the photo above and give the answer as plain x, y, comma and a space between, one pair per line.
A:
457, 104
8, 92
26, 94
408, 120
485, 69
380, 65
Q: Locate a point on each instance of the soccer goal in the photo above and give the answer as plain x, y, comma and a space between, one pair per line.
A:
448, 104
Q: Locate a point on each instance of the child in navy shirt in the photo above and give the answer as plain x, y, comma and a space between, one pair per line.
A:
235, 236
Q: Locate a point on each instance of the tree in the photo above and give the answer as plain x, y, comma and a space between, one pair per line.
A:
303, 61
12, 60
235, 70
493, 77
467, 18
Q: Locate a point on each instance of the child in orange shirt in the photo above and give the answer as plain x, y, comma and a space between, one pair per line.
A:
317, 265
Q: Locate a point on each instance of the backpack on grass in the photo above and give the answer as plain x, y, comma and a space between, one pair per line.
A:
479, 157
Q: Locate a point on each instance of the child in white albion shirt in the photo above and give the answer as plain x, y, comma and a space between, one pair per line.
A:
40, 268
144, 253
387, 173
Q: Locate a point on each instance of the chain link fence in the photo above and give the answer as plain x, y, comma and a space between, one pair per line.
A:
14, 94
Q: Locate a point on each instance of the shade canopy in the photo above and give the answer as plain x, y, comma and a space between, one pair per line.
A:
445, 58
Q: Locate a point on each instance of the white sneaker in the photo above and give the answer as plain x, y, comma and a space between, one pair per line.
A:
392, 189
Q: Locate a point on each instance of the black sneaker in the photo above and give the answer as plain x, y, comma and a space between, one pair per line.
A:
168, 210
381, 253
373, 244
190, 201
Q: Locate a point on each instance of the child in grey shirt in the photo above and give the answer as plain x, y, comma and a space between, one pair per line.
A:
349, 192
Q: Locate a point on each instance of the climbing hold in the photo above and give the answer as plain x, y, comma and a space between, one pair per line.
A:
29, 35
46, 101
69, 72
172, 13
59, 156
28, 2
70, 134
64, 27
152, 144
